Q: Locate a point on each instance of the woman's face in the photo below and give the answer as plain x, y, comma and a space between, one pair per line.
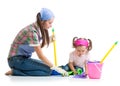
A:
47, 24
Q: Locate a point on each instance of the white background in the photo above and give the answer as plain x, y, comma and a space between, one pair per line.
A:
98, 20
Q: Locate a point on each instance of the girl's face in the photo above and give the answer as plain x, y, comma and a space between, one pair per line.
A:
81, 50
47, 24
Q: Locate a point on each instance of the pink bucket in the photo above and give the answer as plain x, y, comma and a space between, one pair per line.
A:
94, 69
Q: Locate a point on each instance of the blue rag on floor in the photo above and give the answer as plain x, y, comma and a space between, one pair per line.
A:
55, 73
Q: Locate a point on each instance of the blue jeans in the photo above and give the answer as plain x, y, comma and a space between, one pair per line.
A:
23, 66
67, 68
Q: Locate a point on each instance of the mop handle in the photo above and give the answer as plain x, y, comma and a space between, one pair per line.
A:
108, 52
54, 44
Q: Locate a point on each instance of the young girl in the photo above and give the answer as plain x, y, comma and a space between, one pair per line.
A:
32, 38
79, 57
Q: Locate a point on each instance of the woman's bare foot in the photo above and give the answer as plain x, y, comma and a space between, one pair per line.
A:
9, 72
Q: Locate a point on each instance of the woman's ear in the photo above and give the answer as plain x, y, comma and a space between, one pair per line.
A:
42, 22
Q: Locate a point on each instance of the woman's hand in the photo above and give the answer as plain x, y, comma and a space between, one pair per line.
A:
41, 56
60, 70
52, 38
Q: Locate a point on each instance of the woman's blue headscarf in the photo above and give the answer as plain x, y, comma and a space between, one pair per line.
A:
46, 14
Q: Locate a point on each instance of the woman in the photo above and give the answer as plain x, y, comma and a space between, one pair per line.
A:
32, 38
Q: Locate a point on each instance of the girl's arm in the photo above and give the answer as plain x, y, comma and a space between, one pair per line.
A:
86, 71
41, 56
72, 67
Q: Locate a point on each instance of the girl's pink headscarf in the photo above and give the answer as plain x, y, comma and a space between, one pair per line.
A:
82, 42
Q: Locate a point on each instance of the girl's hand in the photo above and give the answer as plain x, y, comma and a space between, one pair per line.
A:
75, 72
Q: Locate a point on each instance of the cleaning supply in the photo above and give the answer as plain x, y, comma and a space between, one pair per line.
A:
82, 75
55, 73
60, 70
94, 69
70, 73
79, 71
108, 52
54, 45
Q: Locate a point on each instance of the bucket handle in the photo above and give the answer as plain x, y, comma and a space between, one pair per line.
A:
97, 68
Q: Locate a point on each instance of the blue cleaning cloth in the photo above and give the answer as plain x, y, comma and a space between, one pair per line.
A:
55, 73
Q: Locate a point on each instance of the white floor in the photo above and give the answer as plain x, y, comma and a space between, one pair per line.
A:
57, 80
